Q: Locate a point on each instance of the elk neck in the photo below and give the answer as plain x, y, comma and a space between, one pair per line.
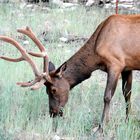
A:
83, 63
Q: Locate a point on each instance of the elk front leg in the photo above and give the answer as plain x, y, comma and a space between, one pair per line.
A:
126, 88
112, 79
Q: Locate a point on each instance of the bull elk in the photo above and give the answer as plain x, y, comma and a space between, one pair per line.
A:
114, 48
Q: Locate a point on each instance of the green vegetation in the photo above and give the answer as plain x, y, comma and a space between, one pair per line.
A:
24, 113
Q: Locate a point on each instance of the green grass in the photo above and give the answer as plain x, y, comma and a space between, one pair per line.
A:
24, 113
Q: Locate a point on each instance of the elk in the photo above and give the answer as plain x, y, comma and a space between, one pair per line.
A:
114, 48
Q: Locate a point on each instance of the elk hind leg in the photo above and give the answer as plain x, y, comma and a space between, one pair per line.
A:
126, 88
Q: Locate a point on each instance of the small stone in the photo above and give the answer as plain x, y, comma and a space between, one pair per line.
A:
56, 137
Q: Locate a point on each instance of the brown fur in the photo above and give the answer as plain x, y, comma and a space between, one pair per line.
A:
114, 48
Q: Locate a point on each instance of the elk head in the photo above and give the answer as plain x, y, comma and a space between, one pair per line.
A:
57, 90
57, 86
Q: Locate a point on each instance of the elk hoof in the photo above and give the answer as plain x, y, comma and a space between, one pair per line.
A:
98, 133
98, 129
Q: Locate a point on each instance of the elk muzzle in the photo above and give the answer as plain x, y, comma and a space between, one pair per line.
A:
54, 112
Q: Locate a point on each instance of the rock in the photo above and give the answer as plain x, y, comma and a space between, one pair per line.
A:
69, 5
26, 42
99, 3
56, 137
90, 2
71, 38
63, 39
30, 6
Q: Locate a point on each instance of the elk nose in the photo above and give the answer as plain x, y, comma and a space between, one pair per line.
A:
53, 112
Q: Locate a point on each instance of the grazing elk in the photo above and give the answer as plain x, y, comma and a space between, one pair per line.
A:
114, 48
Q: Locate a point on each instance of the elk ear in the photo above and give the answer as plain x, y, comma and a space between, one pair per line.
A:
51, 66
59, 71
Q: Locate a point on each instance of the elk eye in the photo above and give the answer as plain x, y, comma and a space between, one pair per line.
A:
53, 90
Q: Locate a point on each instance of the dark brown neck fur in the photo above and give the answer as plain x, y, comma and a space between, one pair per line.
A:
84, 62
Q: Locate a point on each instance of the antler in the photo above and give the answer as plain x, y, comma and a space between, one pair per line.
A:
40, 78
43, 53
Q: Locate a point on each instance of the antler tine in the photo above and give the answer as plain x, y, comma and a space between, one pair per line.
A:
24, 56
27, 31
12, 59
38, 84
30, 83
